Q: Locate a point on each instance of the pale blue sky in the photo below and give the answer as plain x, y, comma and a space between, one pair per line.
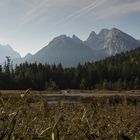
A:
29, 25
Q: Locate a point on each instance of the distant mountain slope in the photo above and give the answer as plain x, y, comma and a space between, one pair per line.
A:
119, 72
6, 50
65, 50
111, 41
22, 60
72, 51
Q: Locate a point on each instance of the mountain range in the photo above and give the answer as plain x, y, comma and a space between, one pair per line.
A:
70, 51
6, 50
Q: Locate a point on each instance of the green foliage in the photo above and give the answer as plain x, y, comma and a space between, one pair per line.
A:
11, 127
83, 84
51, 85
114, 73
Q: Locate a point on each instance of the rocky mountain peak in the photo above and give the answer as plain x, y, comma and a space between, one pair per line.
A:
7, 50
92, 36
60, 39
28, 55
103, 32
69, 51
76, 39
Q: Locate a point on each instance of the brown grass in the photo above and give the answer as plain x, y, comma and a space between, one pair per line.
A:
24, 117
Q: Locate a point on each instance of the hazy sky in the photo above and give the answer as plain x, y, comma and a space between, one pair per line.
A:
28, 25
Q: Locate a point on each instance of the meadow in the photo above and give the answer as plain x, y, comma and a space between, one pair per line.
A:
24, 116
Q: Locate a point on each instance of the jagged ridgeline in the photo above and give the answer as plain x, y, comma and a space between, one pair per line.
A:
72, 51
6, 50
121, 71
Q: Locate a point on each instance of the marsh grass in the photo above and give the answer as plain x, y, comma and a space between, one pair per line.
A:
23, 117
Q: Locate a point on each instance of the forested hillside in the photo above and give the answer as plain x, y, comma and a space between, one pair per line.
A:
114, 73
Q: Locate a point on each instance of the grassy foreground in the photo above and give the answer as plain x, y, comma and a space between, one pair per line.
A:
23, 117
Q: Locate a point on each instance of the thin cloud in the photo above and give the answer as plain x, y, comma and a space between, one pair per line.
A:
119, 10
100, 8
39, 9
35, 12
83, 11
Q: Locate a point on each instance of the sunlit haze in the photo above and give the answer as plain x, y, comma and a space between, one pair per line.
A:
29, 25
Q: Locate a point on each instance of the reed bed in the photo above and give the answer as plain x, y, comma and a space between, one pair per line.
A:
25, 118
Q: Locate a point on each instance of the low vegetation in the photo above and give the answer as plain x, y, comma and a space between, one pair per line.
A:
94, 118
120, 72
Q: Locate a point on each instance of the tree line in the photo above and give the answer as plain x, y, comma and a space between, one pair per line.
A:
120, 72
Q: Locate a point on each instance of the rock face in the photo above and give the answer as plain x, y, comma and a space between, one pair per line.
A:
65, 50
111, 41
72, 51
6, 50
